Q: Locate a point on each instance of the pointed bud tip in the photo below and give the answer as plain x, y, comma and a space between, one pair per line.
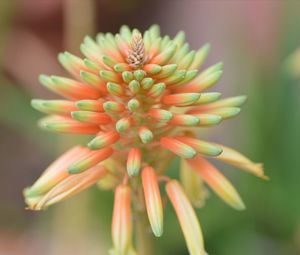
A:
213, 119
240, 206
220, 65
236, 111
216, 151
207, 46
44, 79
158, 232
260, 172
243, 99
91, 145
35, 103
145, 134
76, 115
133, 104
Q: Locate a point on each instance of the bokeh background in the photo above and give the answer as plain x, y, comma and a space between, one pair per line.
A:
255, 39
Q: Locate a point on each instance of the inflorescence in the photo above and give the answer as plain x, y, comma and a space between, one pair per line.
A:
142, 98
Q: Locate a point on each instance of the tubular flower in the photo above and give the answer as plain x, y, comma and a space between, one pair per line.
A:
142, 98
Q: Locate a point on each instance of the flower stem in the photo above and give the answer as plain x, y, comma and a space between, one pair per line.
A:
144, 235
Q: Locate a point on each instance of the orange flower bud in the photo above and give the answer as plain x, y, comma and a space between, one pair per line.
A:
153, 200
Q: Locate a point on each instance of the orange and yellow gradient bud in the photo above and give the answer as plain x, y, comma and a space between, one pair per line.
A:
217, 181
66, 188
56, 172
187, 218
121, 223
153, 200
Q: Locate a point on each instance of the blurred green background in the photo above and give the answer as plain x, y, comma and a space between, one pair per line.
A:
254, 39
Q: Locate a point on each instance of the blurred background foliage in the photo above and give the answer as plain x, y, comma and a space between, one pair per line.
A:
256, 41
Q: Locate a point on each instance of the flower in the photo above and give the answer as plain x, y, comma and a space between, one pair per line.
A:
143, 100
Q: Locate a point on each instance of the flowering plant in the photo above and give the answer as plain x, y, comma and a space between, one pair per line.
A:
143, 99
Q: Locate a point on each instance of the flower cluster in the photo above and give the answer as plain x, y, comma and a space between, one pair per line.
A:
142, 98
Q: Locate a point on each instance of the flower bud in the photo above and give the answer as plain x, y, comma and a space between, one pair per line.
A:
121, 222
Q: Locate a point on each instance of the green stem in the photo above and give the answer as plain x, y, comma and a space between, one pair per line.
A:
143, 234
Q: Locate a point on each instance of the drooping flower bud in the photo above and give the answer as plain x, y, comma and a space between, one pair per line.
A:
121, 223
218, 182
153, 200
187, 218
68, 187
